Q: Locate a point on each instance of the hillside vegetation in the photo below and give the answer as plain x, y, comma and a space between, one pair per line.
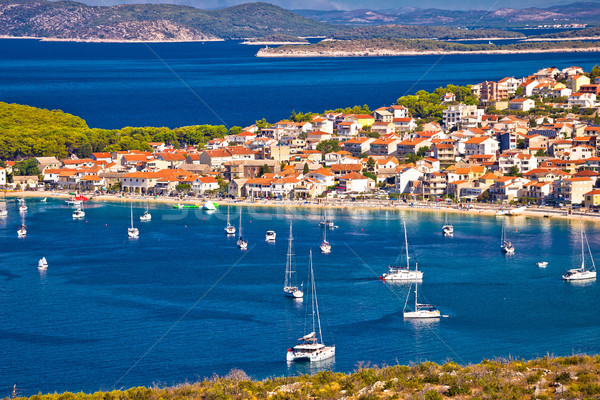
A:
31, 132
573, 377
421, 32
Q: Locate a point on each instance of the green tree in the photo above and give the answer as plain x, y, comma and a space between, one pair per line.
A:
328, 146
183, 187
370, 164
85, 150
423, 151
533, 123
305, 170
27, 167
595, 72
514, 171
262, 124
412, 158
264, 169
540, 153
519, 92
235, 130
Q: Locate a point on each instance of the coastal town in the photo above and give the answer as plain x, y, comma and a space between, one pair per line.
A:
497, 151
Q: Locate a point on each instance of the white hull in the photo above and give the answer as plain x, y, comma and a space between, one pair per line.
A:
293, 292
146, 218
542, 264
242, 244
422, 314
325, 248
42, 264
448, 230
22, 208
403, 275
3, 213
22, 233
209, 206
320, 354
78, 215
133, 233
579, 275
230, 230
270, 237
74, 202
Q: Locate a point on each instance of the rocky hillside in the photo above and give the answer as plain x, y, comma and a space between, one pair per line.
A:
72, 20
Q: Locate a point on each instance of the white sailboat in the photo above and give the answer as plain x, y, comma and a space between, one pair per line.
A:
582, 273
448, 229
325, 245
290, 288
22, 206
22, 231
403, 273
42, 264
505, 245
271, 236
229, 229
420, 310
326, 222
146, 216
310, 347
241, 243
132, 232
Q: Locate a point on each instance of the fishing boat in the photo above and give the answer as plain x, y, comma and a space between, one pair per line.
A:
241, 242
229, 229
42, 263
582, 273
22, 231
146, 216
209, 206
505, 245
310, 347
132, 232
402, 273
447, 229
325, 245
271, 236
421, 310
290, 288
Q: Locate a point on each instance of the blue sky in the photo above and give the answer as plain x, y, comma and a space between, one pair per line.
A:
355, 4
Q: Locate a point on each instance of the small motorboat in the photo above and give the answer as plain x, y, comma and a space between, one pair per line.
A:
270, 236
78, 214
542, 264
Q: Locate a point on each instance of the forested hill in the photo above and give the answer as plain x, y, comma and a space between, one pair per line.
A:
151, 22
31, 132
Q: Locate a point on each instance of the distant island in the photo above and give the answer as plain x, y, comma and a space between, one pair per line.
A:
403, 47
258, 23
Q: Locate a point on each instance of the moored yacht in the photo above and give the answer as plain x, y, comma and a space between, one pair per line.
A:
325, 245
78, 214
290, 288
403, 273
241, 243
229, 229
310, 347
146, 216
420, 310
447, 229
505, 245
582, 273
132, 232
22, 231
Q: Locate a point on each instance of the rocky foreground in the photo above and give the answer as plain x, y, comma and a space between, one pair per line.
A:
543, 378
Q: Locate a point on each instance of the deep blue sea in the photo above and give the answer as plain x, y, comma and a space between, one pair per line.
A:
176, 84
182, 302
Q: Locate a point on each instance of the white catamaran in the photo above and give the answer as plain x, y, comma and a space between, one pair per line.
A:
310, 347
420, 310
582, 273
290, 288
132, 232
229, 229
402, 273
505, 244
241, 243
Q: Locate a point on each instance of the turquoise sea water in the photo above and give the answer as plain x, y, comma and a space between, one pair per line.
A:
182, 302
176, 84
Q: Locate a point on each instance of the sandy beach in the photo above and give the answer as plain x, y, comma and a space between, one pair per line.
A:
316, 204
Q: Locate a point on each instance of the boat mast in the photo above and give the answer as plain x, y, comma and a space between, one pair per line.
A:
416, 288
131, 207
240, 224
314, 302
582, 252
228, 216
288, 265
406, 246
325, 233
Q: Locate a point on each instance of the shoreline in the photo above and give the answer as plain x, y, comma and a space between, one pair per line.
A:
564, 39
74, 40
401, 53
271, 43
382, 205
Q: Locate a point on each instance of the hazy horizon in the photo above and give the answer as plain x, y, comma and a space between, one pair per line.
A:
348, 5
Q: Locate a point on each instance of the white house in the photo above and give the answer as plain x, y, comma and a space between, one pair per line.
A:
355, 182
481, 145
405, 177
582, 100
348, 128
521, 104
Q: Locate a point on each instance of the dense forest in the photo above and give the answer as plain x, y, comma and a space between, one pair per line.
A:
31, 132
574, 377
